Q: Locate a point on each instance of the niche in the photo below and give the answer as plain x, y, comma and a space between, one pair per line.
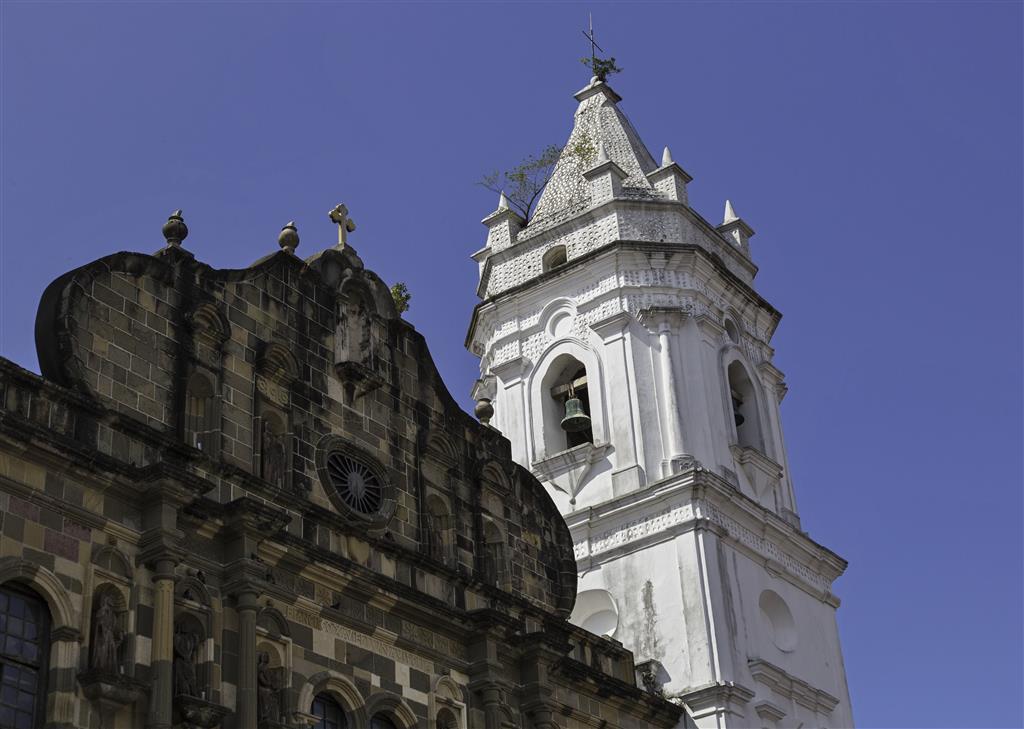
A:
190, 665
276, 370
108, 633
493, 555
437, 530
202, 413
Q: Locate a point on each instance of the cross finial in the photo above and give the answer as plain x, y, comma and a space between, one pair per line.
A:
339, 216
593, 45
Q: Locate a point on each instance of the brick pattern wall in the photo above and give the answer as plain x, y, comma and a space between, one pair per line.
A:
366, 612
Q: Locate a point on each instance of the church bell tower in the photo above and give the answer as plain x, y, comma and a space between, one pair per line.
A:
626, 355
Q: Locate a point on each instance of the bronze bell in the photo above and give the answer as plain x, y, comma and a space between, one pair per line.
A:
736, 405
575, 420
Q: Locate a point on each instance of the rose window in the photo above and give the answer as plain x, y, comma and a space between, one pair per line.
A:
357, 485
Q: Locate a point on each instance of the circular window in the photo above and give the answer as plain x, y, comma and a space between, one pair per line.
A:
356, 484
777, 613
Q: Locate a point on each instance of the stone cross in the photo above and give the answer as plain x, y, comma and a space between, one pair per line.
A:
345, 224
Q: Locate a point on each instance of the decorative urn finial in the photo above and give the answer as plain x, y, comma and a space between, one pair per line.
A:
175, 230
288, 238
484, 410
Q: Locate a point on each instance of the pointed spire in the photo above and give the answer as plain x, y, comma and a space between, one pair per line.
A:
602, 154
735, 229
502, 201
730, 213
666, 157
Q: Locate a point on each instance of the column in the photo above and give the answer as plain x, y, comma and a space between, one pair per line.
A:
163, 638
670, 417
246, 707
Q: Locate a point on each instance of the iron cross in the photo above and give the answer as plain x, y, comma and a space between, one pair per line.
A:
593, 44
339, 216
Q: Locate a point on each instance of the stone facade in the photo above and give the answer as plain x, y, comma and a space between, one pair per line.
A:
689, 544
237, 496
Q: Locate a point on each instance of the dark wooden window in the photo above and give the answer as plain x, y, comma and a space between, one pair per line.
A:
329, 712
24, 645
379, 721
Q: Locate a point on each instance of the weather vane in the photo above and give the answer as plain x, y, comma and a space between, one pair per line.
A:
593, 44
600, 67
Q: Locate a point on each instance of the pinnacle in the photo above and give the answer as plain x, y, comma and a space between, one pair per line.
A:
730, 213
502, 201
602, 153
666, 157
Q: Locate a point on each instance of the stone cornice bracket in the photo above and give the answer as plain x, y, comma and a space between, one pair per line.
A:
613, 327
658, 318
720, 697
164, 496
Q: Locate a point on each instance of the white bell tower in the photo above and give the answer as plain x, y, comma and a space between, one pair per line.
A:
620, 302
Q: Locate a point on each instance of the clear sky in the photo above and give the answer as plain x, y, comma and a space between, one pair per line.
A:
875, 147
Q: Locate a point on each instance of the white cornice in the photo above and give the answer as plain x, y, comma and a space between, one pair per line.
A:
790, 687
686, 501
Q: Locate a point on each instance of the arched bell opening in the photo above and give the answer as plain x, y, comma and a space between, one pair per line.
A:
743, 403
567, 410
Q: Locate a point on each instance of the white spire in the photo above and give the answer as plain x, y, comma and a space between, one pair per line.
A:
502, 201
666, 157
602, 153
730, 214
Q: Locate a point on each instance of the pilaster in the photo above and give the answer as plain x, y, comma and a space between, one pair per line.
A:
624, 431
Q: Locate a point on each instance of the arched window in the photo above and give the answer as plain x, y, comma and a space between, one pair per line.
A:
446, 720
554, 257
744, 407
569, 421
200, 416
24, 646
380, 721
329, 713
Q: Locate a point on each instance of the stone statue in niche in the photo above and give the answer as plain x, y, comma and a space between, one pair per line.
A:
185, 645
106, 636
274, 461
493, 558
352, 339
268, 691
434, 536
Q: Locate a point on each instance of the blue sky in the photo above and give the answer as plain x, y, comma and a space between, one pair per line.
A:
875, 147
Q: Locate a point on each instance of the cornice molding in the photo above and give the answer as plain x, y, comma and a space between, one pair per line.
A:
699, 499
789, 686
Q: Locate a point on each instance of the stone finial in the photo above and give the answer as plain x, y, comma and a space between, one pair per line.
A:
339, 216
484, 410
666, 157
730, 213
288, 238
502, 201
175, 230
602, 154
